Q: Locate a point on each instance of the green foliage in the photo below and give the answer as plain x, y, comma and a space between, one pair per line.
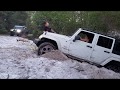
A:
63, 22
10, 18
66, 22
3, 31
94, 20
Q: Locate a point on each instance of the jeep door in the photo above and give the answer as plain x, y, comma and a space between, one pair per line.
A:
102, 49
80, 48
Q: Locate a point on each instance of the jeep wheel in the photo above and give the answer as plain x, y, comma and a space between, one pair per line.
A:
113, 65
45, 47
11, 33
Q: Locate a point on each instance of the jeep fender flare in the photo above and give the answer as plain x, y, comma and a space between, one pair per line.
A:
109, 60
54, 39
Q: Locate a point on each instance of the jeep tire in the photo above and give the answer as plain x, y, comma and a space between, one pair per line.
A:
12, 33
45, 47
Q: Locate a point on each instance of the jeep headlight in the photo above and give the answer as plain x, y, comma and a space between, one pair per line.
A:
18, 31
40, 36
11, 29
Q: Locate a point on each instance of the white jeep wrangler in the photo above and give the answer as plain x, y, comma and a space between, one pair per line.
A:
86, 45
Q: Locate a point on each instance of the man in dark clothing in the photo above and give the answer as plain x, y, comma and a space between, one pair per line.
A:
47, 28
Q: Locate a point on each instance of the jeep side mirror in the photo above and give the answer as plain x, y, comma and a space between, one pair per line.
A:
76, 38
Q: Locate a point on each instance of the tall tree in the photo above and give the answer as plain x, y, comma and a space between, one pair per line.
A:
10, 18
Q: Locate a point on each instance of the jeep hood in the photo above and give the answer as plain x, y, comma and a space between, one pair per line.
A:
55, 35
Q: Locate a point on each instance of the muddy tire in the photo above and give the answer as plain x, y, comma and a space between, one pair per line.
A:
115, 66
45, 47
12, 33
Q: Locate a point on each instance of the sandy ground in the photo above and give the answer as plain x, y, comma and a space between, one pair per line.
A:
19, 60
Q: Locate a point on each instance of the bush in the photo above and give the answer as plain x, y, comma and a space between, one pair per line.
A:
67, 22
3, 31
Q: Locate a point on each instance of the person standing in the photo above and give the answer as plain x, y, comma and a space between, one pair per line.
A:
47, 27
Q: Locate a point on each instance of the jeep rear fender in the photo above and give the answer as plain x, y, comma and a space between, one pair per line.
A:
109, 60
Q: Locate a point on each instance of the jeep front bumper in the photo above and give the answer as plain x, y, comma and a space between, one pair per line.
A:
36, 41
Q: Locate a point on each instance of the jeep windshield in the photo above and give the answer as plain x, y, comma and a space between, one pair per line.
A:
19, 27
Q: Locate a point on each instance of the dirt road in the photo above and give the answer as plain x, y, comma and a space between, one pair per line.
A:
19, 60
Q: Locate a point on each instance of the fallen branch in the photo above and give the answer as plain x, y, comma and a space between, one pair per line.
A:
22, 39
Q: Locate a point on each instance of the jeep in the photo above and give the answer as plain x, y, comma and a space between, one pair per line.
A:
18, 30
83, 45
